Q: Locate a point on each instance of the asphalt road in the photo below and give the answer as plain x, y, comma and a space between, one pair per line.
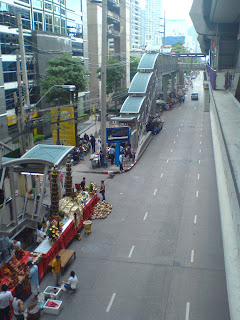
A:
158, 256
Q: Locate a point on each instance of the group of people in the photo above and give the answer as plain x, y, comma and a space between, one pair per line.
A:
71, 284
101, 189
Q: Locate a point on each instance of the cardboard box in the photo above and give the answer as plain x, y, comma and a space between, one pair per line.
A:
49, 291
51, 310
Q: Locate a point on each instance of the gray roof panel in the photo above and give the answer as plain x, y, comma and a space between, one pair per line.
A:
140, 82
132, 105
148, 61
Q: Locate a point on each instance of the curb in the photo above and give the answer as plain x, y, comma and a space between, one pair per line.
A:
118, 171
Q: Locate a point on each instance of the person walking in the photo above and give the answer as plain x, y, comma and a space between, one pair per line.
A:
102, 190
5, 298
121, 162
81, 152
83, 184
18, 307
34, 279
56, 269
93, 141
112, 154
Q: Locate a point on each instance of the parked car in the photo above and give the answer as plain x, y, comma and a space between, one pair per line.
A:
194, 96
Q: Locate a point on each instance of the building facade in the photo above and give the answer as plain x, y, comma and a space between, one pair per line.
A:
154, 16
50, 27
118, 38
136, 29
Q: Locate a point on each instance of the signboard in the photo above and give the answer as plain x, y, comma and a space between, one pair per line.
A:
117, 134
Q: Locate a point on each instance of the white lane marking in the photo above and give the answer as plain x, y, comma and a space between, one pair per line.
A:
131, 251
197, 194
121, 193
200, 150
145, 217
174, 142
155, 191
192, 256
171, 150
187, 311
198, 176
200, 142
111, 302
199, 161
195, 219
167, 160
195, 108
201, 129
200, 135
181, 124
177, 135
179, 129
201, 124
161, 176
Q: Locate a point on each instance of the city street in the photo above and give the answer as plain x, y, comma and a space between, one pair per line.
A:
158, 255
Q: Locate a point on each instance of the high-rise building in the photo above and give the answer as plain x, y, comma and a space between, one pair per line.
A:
154, 16
51, 28
135, 31
118, 38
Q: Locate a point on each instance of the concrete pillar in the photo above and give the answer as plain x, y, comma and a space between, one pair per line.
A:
164, 87
13, 201
181, 78
206, 105
173, 74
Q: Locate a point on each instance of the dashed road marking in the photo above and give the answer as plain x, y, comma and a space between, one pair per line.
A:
167, 160
155, 191
200, 142
197, 194
171, 150
111, 302
195, 219
161, 175
177, 135
192, 256
199, 161
145, 217
174, 142
187, 311
200, 150
198, 176
131, 251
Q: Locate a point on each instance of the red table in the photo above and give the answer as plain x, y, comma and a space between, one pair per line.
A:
68, 234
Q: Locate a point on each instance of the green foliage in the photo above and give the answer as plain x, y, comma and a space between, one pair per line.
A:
64, 70
179, 47
134, 61
38, 137
115, 73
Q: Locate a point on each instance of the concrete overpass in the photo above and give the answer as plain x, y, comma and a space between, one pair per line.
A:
217, 23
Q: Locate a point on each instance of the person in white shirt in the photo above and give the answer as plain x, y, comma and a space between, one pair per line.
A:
72, 283
5, 298
40, 235
18, 308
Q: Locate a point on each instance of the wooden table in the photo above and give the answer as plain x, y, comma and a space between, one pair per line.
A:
66, 256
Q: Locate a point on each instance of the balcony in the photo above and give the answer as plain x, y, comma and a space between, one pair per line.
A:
112, 18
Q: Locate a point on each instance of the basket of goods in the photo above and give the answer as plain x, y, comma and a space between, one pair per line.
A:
92, 188
101, 210
33, 312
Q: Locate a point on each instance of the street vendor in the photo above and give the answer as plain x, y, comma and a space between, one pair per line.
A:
83, 184
40, 235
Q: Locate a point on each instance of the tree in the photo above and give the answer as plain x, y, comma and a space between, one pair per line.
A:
115, 73
64, 70
134, 62
179, 48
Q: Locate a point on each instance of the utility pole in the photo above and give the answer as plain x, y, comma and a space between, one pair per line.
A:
103, 79
21, 113
24, 71
164, 30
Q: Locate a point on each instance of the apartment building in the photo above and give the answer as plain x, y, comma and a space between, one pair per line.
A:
135, 25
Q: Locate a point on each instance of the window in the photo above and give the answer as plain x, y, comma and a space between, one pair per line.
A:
38, 25
48, 23
48, 6
56, 9
37, 4
63, 11
63, 26
56, 25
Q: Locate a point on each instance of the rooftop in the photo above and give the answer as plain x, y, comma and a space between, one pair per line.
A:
132, 105
140, 82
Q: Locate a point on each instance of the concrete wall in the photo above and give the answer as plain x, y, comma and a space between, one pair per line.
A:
49, 46
3, 119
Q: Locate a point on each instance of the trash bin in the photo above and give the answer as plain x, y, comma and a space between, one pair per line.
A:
33, 312
87, 226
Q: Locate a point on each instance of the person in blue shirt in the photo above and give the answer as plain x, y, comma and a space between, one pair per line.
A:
34, 279
121, 162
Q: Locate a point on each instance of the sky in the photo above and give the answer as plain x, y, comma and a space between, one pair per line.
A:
176, 9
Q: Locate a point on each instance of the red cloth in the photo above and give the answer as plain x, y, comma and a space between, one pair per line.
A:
68, 234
